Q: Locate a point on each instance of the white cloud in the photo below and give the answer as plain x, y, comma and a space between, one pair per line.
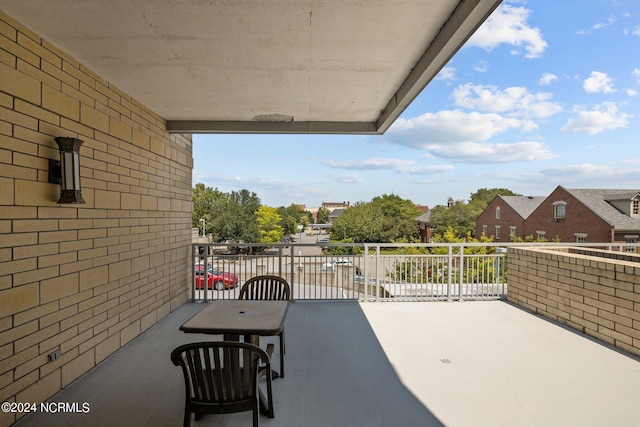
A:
447, 73
603, 117
348, 178
598, 83
508, 25
636, 73
601, 25
515, 101
476, 152
458, 136
632, 92
547, 79
481, 66
620, 174
449, 127
400, 166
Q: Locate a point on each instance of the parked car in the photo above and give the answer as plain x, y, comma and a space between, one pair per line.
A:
331, 265
215, 279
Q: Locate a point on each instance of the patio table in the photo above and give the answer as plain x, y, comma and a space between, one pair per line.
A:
233, 318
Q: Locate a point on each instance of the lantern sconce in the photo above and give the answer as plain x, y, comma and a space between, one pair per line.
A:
66, 171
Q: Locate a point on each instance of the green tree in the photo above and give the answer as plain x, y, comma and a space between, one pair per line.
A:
206, 203
291, 217
269, 224
486, 195
323, 216
236, 221
398, 218
361, 223
386, 219
461, 217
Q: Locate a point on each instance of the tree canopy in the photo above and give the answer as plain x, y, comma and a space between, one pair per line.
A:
386, 219
239, 216
460, 218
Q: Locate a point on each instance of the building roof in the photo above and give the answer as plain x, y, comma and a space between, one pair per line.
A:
285, 66
523, 205
424, 218
598, 200
336, 213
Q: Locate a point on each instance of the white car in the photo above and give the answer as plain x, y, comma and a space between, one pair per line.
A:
329, 266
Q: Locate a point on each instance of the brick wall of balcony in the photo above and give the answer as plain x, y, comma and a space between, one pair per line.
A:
81, 279
595, 292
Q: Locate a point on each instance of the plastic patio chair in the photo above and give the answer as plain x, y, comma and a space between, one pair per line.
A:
268, 287
222, 377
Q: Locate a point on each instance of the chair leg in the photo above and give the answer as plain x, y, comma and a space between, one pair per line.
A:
282, 351
187, 418
270, 413
282, 341
256, 414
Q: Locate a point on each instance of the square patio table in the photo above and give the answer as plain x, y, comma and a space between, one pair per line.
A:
232, 318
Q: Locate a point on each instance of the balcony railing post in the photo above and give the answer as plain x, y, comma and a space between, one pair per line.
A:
193, 277
366, 273
292, 264
377, 275
461, 272
449, 267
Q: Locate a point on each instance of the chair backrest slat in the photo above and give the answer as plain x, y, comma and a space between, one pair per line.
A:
266, 287
220, 371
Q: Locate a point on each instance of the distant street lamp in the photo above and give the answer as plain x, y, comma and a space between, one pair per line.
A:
203, 221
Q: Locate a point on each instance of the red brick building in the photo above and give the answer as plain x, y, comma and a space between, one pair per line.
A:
505, 216
567, 215
587, 215
424, 227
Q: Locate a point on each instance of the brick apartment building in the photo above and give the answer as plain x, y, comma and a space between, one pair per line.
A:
568, 215
505, 216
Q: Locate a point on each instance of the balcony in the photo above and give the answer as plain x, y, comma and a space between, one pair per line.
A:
353, 363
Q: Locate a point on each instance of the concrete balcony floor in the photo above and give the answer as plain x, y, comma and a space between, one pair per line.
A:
384, 364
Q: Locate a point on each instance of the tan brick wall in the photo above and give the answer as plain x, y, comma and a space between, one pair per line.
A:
85, 279
595, 292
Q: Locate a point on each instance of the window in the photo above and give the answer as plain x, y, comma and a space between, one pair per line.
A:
581, 237
631, 239
497, 235
512, 231
498, 212
560, 210
635, 208
541, 235
484, 230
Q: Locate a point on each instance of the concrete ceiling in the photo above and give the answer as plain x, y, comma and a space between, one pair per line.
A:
281, 66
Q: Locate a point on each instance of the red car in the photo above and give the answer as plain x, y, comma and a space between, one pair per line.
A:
215, 279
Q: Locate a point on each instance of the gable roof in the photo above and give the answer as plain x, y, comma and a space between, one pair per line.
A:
336, 213
424, 218
523, 205
597, 201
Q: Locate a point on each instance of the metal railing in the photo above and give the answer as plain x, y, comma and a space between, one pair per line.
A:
370, 272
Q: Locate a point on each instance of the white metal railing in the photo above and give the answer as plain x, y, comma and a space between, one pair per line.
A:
379, 272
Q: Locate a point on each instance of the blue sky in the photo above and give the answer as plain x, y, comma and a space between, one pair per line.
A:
546, 93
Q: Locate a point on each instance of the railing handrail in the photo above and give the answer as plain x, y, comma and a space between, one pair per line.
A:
448, 274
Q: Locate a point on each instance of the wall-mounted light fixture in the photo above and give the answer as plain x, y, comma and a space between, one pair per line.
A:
66, 172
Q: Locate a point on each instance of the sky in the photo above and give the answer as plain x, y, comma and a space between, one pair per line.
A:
545, 93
